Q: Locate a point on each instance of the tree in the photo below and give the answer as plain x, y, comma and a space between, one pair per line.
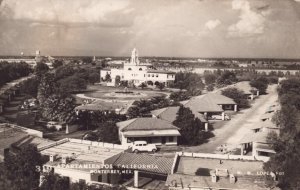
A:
190, 127
87, 60
107, 78
260, 84
72, 84
20, 169
160, 85
30, 87
52, 181
143, 85
286, 145
41, 68
57, 63
237, 95
226, 78
179, 96
210, 87
210, 79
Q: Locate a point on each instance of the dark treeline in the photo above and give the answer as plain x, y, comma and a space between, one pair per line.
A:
285, 163
13, 71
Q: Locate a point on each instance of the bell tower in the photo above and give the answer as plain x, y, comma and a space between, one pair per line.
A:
134, 60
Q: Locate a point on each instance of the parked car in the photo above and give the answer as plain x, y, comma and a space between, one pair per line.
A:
143, 146
219, 117
54, 125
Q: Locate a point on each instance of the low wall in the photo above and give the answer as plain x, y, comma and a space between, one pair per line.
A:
99, 144
53, 144
92, 143
223, 156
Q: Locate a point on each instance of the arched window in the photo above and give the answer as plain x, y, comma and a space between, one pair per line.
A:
129, 69
140, 69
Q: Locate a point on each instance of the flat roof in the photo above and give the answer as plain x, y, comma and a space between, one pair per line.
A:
82, 152
18, 137
189, 165
205, 182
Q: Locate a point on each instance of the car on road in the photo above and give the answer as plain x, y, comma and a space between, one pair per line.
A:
219, 117
143, 146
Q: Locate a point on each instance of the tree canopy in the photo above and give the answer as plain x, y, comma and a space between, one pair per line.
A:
237, 95
191, 128
13, 71
19, 171
286, 145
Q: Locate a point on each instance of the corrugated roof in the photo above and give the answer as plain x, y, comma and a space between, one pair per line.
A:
154, 164
146, 123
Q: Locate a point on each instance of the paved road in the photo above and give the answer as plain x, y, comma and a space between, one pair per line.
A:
235, 129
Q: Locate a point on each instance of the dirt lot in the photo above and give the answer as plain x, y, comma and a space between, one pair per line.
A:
235, 129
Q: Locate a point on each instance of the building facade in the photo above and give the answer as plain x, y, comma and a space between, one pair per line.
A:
137, 73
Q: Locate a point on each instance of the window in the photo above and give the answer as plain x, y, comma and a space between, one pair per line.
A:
171, 139
144, 75
129, 69
156, 75
140, 69
148, 75
152, 75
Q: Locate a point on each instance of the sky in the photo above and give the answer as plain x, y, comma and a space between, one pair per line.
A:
171, 28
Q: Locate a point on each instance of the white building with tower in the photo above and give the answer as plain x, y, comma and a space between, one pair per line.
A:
137, 73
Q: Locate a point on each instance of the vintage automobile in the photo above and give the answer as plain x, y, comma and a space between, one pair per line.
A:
143, 146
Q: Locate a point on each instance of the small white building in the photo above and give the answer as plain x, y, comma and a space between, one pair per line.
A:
153, 130
137, 73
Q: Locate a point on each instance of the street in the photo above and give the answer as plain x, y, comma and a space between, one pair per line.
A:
239, 125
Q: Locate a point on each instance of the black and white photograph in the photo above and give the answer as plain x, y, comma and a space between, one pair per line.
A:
149, 94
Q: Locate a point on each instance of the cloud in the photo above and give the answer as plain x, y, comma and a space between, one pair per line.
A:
212, 24
250, 22
67, 11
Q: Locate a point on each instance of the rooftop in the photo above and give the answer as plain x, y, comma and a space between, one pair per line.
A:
201, 182
19, 137
170, 114
189, 165
82, 151
146, 123
246, 173
202, 104
255, 137
156, 164
219, 99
